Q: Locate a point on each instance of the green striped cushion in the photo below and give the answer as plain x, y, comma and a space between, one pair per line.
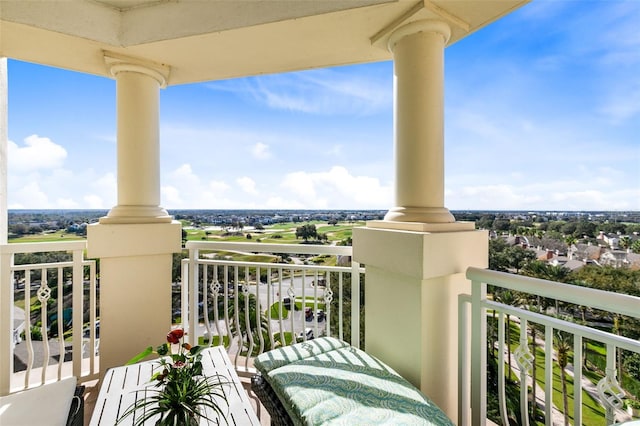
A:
347, 386
276, 358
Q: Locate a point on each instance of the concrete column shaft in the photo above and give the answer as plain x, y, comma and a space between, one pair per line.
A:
138, 139
4, 141
419, 116
418, 54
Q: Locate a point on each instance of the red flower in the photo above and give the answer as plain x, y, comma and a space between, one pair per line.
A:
175, 335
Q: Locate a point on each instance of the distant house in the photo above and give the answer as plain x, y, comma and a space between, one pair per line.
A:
614, 258
620, 259
587, 252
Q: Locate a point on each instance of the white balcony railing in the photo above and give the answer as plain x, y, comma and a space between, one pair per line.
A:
39, 301
602, 384
251, 307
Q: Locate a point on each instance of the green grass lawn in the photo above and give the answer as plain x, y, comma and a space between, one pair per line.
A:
592, 412
280, 233
48, 237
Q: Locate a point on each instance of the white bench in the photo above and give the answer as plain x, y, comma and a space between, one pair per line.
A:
47, 405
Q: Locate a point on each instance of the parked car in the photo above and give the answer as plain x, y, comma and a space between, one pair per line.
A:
308, 332
87, 331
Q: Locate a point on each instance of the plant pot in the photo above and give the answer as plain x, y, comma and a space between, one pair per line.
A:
633, 411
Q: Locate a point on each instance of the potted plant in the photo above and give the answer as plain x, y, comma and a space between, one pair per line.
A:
633, 407
181, 393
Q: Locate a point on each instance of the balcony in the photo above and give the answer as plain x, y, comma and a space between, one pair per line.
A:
221, 296
425, 282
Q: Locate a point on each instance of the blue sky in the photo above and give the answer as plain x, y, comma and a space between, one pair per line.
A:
542, 112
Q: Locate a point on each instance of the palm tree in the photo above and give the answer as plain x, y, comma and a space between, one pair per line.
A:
250, 325
510, 298
570, 240
534, 346
625, 242
563, 342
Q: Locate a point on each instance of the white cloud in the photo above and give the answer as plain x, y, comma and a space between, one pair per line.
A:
93, 201
171, 196
184, 188
218, 187
561, 195
337, 188
66, 203
30, 196
325, 92
38, 153
261, 151
247, 184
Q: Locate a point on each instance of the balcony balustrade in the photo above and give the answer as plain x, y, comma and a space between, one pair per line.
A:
557, 336
250, 307
48, 311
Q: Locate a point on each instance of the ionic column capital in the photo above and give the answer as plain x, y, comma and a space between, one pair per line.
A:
423, 26
117, 63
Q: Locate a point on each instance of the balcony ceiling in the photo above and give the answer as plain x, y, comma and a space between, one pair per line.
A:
218, 39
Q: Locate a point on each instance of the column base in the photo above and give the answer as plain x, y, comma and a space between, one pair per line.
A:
421, 226
413, 280
135, 286
420, 214
136, 214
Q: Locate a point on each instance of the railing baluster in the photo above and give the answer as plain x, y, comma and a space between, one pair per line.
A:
479, 355
577, 379
60, 322
205, 301
340, 310
548, 376
247, 317
237, 330
44, 295
524, 360
355, 304
27, 325
502, 398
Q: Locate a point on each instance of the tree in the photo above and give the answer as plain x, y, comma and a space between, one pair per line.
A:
306, 232
510, 298
635, 247
625, 242
570, 240
569, 228
485, 222
248, 323
519, 257
584, 227
501, 224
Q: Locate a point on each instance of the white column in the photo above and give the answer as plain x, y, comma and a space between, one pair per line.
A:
417, 256
137, 99
4, 136
418, 53
6, 284
135, 241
